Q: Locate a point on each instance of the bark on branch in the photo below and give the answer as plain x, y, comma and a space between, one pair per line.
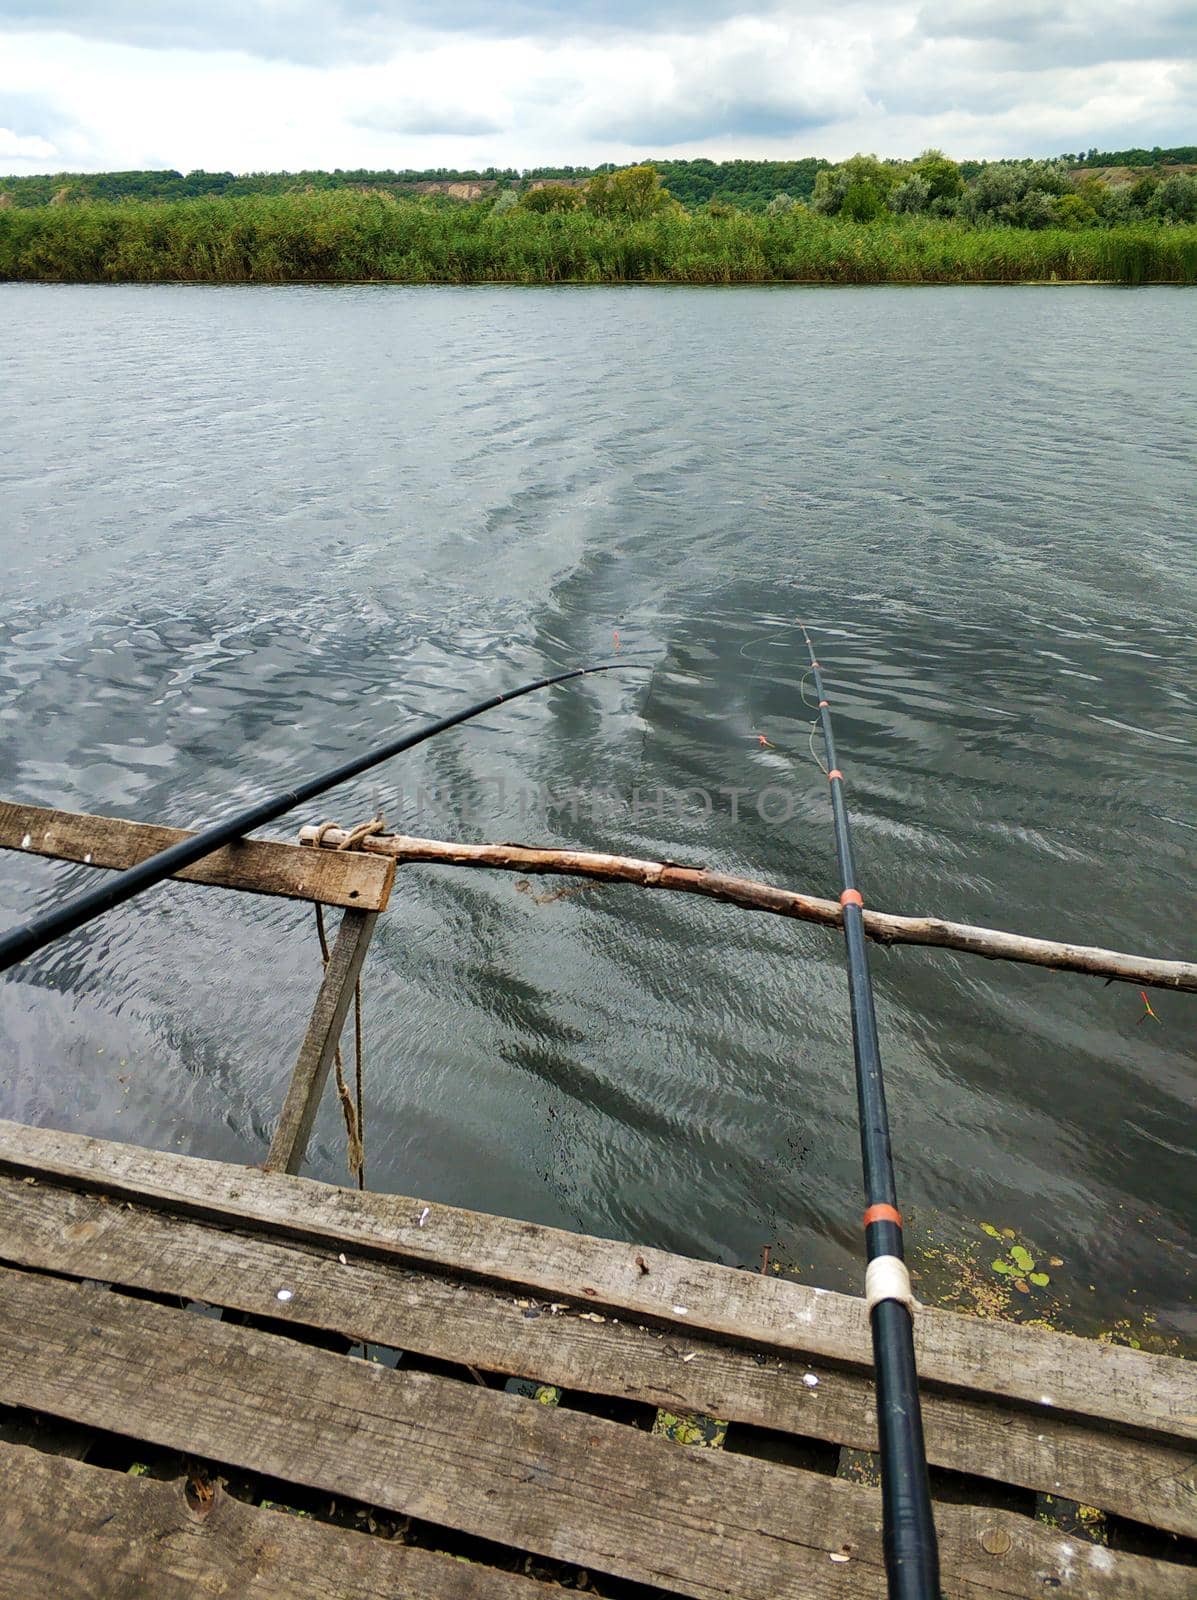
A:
752, 895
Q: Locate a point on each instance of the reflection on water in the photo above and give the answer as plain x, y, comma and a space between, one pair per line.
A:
245, 530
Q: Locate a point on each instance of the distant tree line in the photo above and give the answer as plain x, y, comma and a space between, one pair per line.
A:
167, 185
750, 185
1024, 193
1021, 194
1179, 155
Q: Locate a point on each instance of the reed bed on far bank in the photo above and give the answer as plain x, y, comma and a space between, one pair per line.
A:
345, 236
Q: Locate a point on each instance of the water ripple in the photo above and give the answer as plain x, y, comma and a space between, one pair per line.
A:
246, 531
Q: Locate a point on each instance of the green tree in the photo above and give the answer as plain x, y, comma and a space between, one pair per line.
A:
1092, 191
869, 182
1033, 209
1073, 211
912, 195
633, 192
862, 203
1015, 192
941, 175
552, 197
1176, 199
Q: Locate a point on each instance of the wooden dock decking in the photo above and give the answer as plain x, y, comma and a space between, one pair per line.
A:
224, 1380
424, 1475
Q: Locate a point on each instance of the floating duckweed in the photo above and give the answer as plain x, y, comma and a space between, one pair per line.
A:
1018, 1264
692, 1428
952, 1269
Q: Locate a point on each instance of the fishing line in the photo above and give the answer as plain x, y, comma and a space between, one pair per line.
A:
759, 661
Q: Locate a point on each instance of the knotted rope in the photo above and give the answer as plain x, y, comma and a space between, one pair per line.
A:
353, 1109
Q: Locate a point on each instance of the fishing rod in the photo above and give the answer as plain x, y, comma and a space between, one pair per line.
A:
911, 1549
20, 943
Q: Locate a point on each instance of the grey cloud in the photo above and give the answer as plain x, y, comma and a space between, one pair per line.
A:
315, 33
1032, 35
420, 118
685, 121
748, 87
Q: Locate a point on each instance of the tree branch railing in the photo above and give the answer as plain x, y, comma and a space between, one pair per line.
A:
751, 895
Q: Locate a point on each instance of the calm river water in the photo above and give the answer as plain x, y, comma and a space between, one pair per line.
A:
245, 531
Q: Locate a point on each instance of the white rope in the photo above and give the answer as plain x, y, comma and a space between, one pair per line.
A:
886, 1278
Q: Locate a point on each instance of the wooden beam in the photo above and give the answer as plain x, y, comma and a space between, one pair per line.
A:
751, 895
257, 866
574, 1349
1054, 1374
290, 1142
84, 1533
563, 1484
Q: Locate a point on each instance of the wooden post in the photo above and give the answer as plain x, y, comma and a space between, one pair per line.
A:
290, 1141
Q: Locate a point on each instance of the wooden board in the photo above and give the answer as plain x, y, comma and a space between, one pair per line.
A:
259, 866
563, 1484
73, 1532
368, 1301
320, 1042
1052, 1373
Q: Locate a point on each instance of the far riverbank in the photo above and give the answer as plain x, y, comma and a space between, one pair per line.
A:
343, 237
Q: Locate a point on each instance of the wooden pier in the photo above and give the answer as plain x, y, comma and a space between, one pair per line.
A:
203, 1428
223, 1380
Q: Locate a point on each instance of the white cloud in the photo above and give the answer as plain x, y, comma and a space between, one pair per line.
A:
25, 148
540, 82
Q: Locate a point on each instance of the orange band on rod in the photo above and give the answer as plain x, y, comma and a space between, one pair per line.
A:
852, 897
824, 702
814, 664
883, 1213
835, 773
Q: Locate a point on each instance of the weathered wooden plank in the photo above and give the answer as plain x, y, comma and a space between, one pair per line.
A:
1054, 1372
259, 866
73, 1532
290, 1142
571, 1488
563, 1484
371, 1302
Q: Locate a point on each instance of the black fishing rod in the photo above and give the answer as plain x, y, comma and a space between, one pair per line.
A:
20, 943
911, 1549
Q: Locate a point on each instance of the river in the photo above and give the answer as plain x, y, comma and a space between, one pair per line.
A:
246, 530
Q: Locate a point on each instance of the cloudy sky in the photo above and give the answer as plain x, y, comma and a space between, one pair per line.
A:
268, 84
